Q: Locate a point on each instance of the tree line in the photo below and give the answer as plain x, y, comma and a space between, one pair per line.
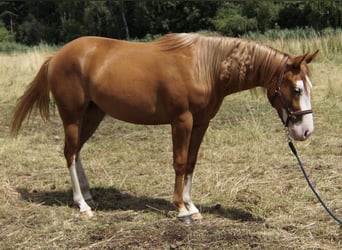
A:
56, 22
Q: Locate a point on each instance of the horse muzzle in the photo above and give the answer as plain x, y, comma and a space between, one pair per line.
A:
301, 130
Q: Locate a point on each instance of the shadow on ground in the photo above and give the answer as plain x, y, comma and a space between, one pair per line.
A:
106, 199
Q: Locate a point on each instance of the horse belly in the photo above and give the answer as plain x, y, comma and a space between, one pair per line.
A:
134, 106
135, 113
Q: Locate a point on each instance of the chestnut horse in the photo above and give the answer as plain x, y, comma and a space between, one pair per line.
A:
179, 79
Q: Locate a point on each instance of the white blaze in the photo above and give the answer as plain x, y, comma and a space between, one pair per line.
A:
301, 130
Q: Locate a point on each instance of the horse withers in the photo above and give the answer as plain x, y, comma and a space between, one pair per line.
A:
179, 79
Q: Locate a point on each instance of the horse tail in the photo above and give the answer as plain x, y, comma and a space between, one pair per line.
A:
36, 96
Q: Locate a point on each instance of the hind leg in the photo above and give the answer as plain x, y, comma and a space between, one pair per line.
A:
71, 106
79, 124
83, 180
91, 120
71, 129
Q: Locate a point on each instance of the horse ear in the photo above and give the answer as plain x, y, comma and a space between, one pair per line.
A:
310, 57
295, 62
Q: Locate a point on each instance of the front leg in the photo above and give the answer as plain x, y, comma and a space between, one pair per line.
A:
181, 131
195, 142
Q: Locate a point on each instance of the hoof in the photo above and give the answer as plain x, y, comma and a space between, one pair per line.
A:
87, 214
196, 216
186, 219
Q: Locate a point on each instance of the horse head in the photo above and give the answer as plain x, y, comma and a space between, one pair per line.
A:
291, 96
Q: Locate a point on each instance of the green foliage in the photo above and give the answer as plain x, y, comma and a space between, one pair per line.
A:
266, 14
56, 22
71, 29
230, 21
239, 18
29, 32
98, 16
5, 35
10, 47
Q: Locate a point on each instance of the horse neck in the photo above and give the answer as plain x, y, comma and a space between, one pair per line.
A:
250, 65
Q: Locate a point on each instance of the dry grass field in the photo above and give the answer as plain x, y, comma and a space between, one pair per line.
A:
247, 184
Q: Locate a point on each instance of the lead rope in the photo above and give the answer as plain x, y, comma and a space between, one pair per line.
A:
294, 151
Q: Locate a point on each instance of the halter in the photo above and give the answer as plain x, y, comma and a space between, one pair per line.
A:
291, 115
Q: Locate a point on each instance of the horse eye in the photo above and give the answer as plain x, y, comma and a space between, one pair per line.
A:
297, 91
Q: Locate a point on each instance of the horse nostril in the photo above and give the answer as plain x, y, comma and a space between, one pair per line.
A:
306, 133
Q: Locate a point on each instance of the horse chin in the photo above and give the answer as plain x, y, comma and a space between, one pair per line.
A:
296, 136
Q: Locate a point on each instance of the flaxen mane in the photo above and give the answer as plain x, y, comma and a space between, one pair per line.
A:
231, 60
